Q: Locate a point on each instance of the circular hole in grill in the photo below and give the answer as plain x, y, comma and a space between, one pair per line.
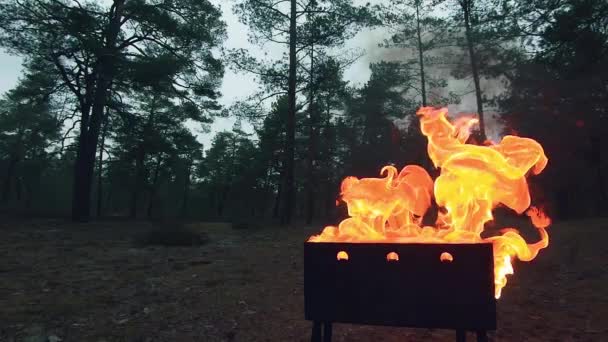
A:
446, 257
342, 255
392, 256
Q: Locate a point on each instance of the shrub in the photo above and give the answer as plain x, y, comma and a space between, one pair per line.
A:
173, 236
242, 225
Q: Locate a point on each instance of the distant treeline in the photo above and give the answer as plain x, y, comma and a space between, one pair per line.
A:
97, 125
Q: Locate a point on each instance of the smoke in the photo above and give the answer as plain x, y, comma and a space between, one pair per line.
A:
490, 89
459, 91
359, 72
403, 124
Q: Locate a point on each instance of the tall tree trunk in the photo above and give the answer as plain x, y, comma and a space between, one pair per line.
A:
466, 9
596, 164
225, 189
138, 181
327, 201
154, 185
420, 54
19, 187
311, 144
81, 196
290, 193
211, 199
266, 191
29, 195
8, 179
277, 199
15, 156
220, 205
140, 159
100, 167
90, 126
186, 191
602, 197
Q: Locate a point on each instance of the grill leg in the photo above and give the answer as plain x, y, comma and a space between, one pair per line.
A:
316, 332
327, 327
482, 336
461, 336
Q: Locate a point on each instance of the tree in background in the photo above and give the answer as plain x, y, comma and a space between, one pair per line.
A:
232, 174
322, 33
551, 55
372, 113
190, 153
468, 16
271, 135
484, 36
29, 126
493, 39
559, 97
96, 49
151, 135
298, 27
327, 96
414, 27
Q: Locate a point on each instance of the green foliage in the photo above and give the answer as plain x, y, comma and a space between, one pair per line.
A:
497, 31
142, 82
101, 54
559, 97
307, 29
372, 135
333, 20
28, 128
420, 34
232, 173
152, 137
321, 24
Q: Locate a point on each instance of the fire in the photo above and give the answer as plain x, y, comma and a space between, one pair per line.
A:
446, 257
392, 256
473, 181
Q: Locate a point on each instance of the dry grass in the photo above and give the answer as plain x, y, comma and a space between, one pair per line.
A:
93, 283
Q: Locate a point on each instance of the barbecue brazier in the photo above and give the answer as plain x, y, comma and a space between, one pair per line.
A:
403, 285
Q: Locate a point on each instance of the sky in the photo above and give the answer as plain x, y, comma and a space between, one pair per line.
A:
237, 86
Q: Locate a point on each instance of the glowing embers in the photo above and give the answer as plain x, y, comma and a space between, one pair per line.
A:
392, 256
342, 255
446, 257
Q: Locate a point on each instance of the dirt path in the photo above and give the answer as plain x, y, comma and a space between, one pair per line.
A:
92, 283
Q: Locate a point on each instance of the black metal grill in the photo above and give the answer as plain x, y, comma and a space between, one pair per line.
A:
418, 290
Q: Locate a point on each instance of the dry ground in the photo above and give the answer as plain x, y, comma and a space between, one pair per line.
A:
90, 282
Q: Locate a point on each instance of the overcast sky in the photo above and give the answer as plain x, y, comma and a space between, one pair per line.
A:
238, 86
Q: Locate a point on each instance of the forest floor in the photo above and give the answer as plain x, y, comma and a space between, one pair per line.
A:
92, 282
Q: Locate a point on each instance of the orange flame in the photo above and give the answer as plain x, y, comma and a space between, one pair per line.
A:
473, 181
446, 257
342, 255
392, 256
